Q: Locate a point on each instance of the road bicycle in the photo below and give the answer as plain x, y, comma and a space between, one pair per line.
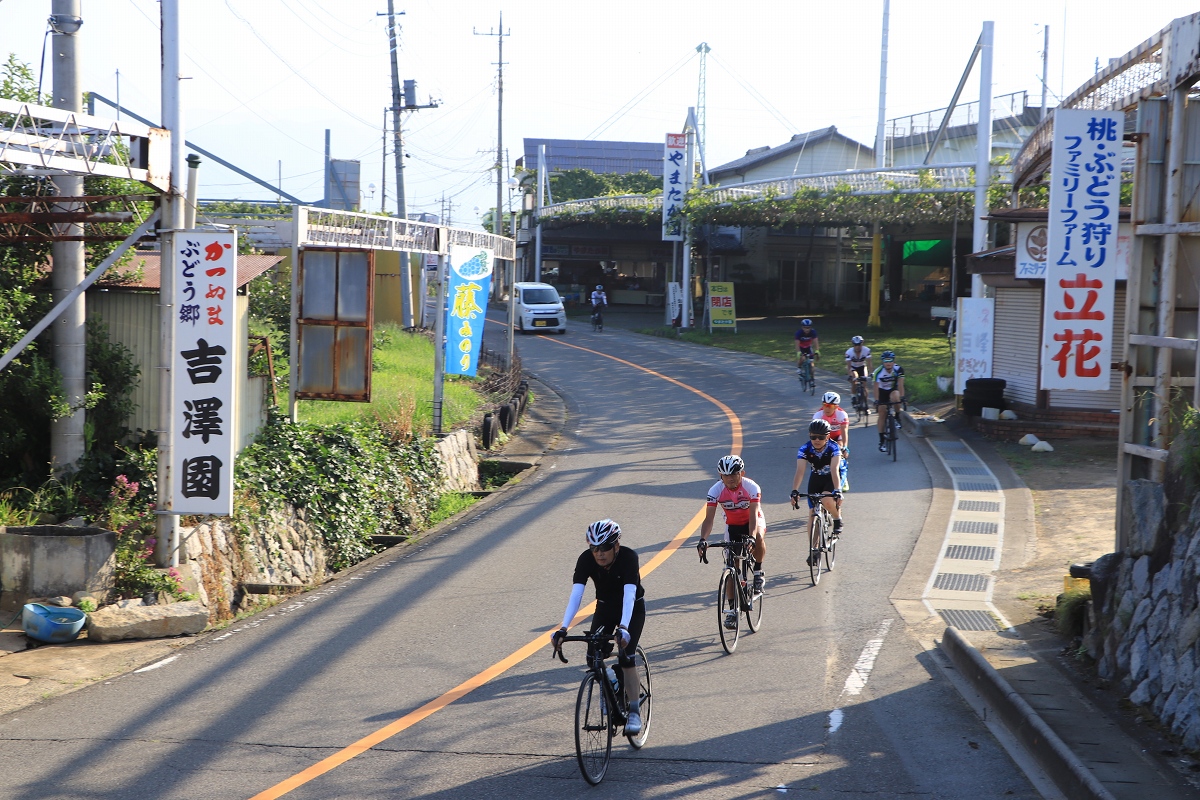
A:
822, 543
735, 592
597, 319
859, 401
600, 706
891, 426
805, 373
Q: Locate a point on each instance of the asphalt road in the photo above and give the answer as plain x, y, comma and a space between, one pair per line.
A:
832, 697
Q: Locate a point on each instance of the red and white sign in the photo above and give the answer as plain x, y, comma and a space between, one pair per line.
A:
204, 372
1081, 258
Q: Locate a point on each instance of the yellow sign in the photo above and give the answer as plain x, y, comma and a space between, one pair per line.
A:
721, 310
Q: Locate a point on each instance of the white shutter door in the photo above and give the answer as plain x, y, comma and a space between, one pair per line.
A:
1017, 343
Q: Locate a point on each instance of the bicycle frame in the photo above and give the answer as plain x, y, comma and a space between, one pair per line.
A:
738, 558
596, 665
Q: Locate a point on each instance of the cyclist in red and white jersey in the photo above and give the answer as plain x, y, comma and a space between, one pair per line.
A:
740, 498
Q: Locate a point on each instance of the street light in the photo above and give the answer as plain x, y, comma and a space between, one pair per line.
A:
371, 192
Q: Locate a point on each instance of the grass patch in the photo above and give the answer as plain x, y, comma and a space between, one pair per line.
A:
401, 388
1070, 614
494, 474
450, 504
920, 346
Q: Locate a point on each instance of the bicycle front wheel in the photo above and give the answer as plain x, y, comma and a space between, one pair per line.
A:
728, 614
754, 612
830, 547
644, 698
815, 537
892, 435
593, 730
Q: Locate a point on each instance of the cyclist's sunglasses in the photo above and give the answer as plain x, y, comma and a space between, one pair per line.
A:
818, 438
603, 548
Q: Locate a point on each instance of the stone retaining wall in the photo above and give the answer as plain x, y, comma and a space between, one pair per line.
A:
281, 548
1146, 608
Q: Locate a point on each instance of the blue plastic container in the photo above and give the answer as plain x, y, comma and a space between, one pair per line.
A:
51, 624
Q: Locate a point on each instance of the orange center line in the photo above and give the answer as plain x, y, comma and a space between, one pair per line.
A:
500, 667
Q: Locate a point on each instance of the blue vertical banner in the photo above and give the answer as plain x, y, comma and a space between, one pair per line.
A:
470, 278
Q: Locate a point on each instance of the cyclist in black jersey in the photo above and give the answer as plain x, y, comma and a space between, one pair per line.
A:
889, 388
825, 457
620, 607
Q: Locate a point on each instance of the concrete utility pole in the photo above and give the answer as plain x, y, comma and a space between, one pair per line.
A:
874, 320
983, 153
167, 551
401, 203
498, 220
1046, 68
70, 330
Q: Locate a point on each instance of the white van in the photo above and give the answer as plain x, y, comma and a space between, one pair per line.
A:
538, 307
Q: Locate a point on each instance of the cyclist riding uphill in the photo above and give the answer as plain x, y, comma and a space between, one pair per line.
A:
858, 361
619, 605
889, 388
825, 457
808, 343
599, 299
839, 424
740, 498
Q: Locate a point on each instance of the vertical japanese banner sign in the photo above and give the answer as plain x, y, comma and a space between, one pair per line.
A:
721, 311
466, 295
675, 186
973, 340
204, 372
1081, 260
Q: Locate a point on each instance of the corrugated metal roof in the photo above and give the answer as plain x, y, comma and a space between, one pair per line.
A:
600, 157
799, 141
150, 266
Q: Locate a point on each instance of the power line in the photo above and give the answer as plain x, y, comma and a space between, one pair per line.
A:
620, 112
754, 93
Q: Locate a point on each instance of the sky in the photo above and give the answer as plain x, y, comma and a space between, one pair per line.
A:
267, 77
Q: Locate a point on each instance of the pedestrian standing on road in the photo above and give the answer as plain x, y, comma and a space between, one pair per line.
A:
620, 607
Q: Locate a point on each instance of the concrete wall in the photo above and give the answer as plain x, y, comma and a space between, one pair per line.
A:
52, 560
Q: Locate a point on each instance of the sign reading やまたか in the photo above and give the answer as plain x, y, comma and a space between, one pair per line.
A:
203, 371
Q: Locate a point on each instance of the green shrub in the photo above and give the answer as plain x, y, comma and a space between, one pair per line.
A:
1070, 613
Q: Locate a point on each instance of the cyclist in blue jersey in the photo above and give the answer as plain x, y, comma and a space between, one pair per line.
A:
808, 343
824, 456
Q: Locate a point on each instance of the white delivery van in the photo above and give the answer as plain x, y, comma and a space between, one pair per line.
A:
538, 307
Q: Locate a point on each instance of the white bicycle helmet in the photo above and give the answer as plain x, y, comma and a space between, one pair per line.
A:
806, 323
730, 464
831, 397
602, 531
856, 340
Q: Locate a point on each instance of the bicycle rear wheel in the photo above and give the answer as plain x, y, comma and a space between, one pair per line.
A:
727, 609
817, 535
892, 436
644, 698
593, 730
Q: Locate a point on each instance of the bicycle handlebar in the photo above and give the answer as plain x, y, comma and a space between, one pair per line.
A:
819, 496
590, 638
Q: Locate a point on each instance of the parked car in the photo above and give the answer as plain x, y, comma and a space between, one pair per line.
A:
538, 307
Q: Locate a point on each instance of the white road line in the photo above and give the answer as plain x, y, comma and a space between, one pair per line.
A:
157, 664
856, 681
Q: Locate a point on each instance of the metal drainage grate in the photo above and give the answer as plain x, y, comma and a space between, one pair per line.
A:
959, 456
969, 470
978, 505
977, 487
958, 582
972, 526
965, 552
968, 619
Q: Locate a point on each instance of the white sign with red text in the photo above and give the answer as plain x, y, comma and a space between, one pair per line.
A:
204, 372
1081, 256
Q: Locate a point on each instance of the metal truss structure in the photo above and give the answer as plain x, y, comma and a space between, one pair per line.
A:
44, 218
39, 140
322, 227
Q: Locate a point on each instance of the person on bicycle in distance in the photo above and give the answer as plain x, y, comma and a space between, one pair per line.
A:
599, 300
808, 343
839, 423
825, 457
620, 607
740, 498
889, 388
858, 362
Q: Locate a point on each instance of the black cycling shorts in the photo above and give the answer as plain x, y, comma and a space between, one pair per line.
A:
819, 483
608, 617
885, 396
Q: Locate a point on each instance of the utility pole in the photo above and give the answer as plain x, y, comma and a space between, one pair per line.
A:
409, 104
70, 330
874, 319
1045, 67
383, 178
498, 220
